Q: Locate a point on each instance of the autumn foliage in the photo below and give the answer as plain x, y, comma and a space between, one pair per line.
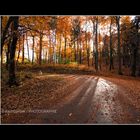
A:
101, 42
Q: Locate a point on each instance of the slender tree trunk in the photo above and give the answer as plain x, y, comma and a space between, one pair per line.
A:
75, 50
54, 55
27, 47
60, 50
106, 56
124, 56
50, 45
40, 50
65, 49
77, 55
93, 44
18, 52
83, 54
138, 44
96, 40
87, 48
12, 76
23, 50
8, 54
93, 58
133, 68
88, 56
80, 54
111, 52
33, 49
119, 49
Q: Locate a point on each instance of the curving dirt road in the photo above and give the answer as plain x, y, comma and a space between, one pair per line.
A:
92, 100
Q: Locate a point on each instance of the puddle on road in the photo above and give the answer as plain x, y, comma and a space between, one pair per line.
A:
103, 100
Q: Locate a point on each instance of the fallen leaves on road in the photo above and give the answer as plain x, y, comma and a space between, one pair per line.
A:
40, 92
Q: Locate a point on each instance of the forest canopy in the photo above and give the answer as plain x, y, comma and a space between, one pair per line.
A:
101, 42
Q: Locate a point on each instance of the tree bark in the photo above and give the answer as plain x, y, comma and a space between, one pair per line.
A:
74, 50
27, 47
77, 53
3, 37
133, 68
12, 76
65, 49
88, 56
54, 51
111, 51
135, 50
100, 64
40, 50
93, 43
8, 54
80, 54
60, 50
33, 50
96, 41
23, 50
18, 51
119, 48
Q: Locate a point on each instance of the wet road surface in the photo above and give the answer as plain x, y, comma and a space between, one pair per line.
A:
92, 101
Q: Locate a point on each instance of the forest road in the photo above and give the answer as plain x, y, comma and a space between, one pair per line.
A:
94, 100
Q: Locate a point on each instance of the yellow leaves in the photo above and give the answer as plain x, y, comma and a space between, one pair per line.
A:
64, 25
125, 19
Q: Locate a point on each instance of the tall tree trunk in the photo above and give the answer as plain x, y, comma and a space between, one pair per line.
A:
87, 48
93, 43
133, 68
23, 50
119, 48
40, 49
50, 45
54, 53
106, 56
138, 43
124, 56
74, 50
111, 66
80, 54
83, 54
12, 76
18, 51
100, 64
65, 49
135, 50
96, 41
8, 54
88, 56
33, 49
27, 47
77, 55
60, 49
5, 30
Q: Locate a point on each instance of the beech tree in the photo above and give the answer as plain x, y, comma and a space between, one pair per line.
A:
14, 29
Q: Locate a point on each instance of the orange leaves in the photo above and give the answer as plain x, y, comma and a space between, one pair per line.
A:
64, 25
125, 19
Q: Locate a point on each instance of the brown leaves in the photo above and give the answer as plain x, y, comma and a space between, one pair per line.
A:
37, 93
